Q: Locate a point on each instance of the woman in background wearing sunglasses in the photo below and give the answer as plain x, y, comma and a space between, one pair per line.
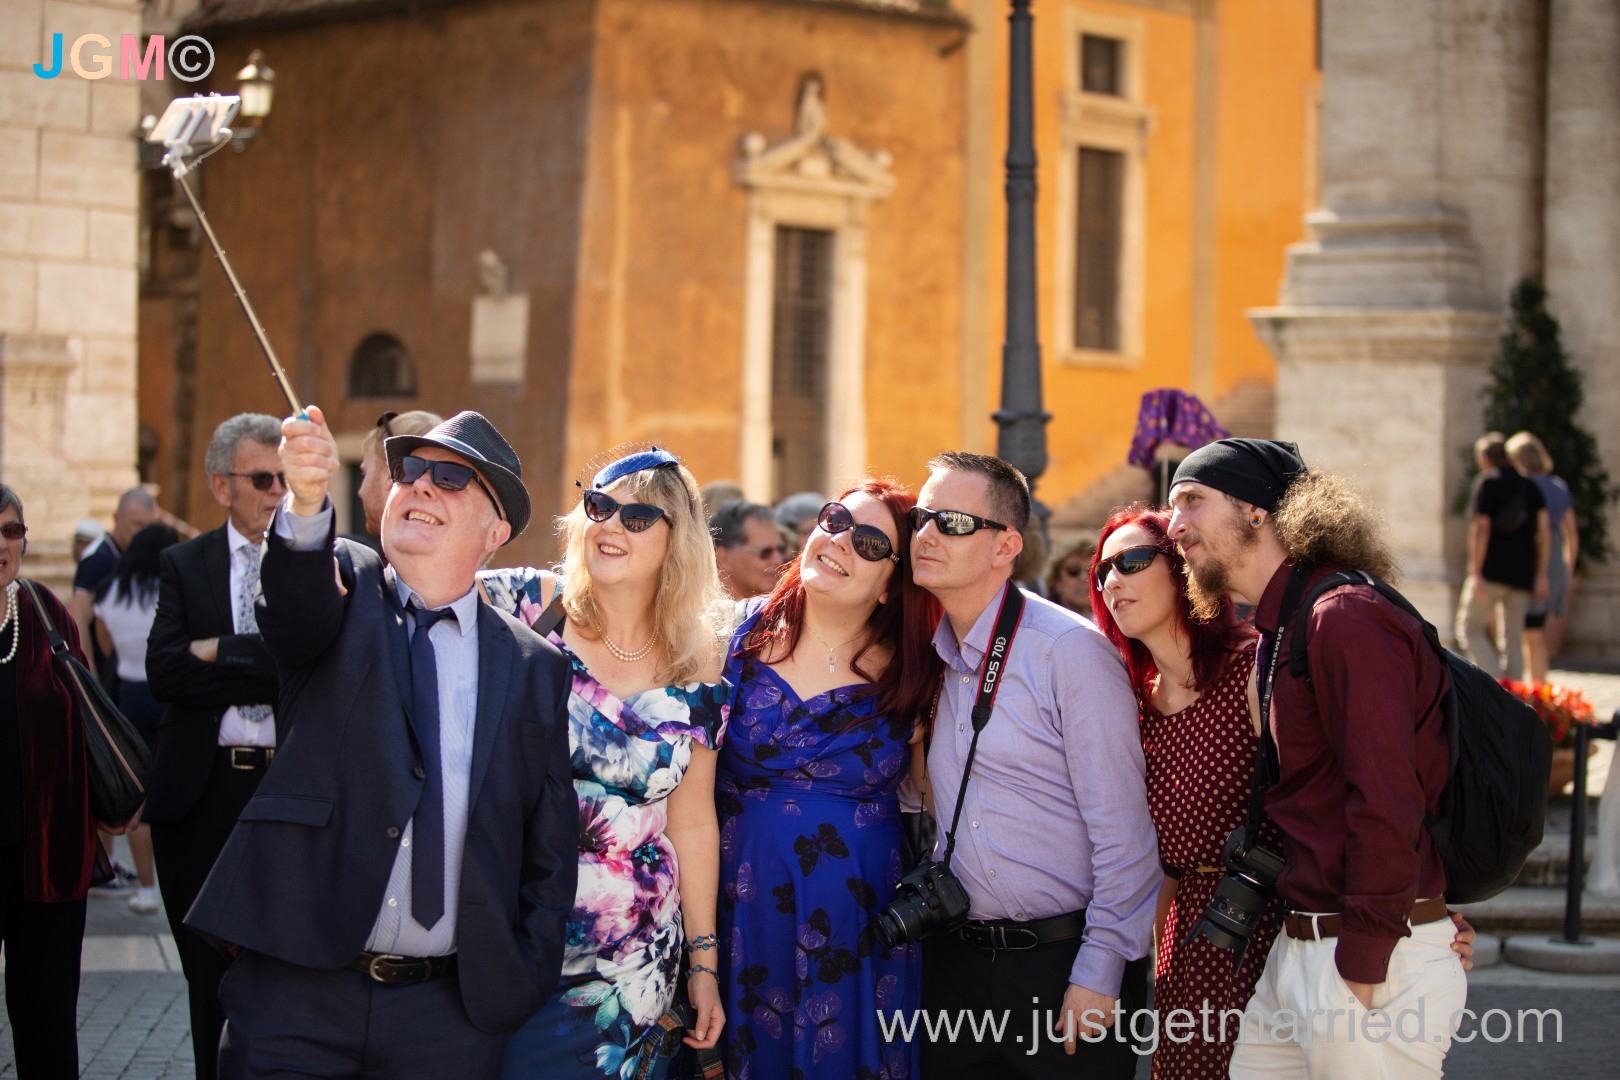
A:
833, 672
646, 714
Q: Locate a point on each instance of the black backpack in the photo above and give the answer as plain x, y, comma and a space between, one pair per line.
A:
1494, 806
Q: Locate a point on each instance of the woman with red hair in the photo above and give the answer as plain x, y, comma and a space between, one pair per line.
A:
1191, 679
834, 672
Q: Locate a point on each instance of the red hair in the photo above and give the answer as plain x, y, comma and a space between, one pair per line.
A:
904, 625
1210, 643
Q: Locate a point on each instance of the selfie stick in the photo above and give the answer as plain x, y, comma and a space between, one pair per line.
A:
195, 128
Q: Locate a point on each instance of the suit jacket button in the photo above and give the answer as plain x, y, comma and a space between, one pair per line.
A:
421, 773
393, 833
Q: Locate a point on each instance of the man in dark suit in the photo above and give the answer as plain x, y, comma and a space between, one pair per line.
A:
400, 882
206, 661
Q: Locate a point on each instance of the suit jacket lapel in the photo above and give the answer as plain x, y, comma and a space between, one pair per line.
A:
495, 660
217, 564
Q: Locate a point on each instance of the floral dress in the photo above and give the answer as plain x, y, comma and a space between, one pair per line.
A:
810, 851
623, 950
1199, 764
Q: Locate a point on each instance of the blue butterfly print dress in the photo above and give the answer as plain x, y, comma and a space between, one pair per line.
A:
810, 850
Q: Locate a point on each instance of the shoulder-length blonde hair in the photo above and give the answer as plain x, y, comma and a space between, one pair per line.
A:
687, 582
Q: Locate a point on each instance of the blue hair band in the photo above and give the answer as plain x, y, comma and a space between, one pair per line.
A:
637, 462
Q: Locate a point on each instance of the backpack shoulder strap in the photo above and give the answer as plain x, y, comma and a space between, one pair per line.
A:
1298, 664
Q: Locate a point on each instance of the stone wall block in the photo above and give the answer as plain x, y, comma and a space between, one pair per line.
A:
53, 232
20, 32
86, 299
19, 163
113, 237
17, 286
98, 170
115, 107
61, 104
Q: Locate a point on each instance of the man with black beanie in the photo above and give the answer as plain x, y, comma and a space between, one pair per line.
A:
1363, 981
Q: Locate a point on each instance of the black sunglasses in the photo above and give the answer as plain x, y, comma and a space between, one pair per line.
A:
867, 540
263, 481
1133, 560
951, 522
635, 517
386, 422
13, 530
449, 475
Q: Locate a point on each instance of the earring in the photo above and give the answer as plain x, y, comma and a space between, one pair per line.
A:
1254, 523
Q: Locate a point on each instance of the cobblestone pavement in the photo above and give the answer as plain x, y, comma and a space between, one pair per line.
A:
134, 1025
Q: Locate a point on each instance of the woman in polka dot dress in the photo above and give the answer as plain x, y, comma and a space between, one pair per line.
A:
1192, 680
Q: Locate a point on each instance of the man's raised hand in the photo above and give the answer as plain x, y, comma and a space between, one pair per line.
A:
309, 457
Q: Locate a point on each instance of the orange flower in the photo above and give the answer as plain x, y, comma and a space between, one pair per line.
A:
1559, 707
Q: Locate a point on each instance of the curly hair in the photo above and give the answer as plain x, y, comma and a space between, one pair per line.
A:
1324, 521
687, 582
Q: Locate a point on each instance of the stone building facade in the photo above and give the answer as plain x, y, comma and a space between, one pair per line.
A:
1465, 145
68, 226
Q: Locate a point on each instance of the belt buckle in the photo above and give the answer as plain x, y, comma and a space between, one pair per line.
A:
242, 758
377, 974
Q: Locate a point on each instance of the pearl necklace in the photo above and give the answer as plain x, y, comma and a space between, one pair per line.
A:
625, 656
13, 619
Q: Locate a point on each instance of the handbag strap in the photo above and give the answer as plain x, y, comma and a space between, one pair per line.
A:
995, 658
59, 647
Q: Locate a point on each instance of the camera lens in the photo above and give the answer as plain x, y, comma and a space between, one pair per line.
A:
900, 922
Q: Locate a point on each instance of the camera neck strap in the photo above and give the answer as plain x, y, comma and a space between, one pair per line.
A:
1265, 751
995, 661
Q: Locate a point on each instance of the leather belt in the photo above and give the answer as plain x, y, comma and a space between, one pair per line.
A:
1003, 934
391, 970
248, 758
1305, 927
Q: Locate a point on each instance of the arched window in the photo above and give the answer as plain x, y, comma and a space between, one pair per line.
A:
381, 368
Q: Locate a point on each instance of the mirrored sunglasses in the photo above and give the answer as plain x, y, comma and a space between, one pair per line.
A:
263, 481
1133, 560
635, 517
951, 522
449, 475
867, 540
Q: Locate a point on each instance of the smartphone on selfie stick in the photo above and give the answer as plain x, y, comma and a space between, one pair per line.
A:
191, 129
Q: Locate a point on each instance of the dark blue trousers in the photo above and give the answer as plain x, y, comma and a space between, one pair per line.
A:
283, 1020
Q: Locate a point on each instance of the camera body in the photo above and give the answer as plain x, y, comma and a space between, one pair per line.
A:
929, 899
1240, 899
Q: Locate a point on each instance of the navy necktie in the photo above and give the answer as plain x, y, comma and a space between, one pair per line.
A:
427, 860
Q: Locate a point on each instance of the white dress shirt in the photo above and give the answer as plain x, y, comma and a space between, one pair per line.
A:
455, 651
234, 728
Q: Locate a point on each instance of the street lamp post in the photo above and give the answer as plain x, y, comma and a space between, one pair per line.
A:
1021, 420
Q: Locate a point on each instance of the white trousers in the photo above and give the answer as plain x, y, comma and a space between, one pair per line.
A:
1303, 1021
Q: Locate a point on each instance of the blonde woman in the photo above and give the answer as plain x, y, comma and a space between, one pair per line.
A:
646, 714
1544, 623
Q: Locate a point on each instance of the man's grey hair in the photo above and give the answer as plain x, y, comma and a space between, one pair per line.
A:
232, 433
137, 498
729, 524
795, 508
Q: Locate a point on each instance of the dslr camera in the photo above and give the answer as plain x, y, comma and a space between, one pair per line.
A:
1240, 899
930, 898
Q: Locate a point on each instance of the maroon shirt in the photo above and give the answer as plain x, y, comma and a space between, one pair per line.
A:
1362, 757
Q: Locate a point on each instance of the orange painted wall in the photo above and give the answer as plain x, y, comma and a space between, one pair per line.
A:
1265, 76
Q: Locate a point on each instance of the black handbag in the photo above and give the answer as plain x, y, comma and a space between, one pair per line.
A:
115, 754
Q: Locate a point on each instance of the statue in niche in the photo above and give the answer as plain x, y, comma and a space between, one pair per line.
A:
811, 121
493, 277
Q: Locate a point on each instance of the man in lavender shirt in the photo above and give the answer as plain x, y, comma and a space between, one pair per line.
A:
1055, 846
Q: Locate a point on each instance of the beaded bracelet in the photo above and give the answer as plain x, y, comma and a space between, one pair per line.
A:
695, 968
703, 941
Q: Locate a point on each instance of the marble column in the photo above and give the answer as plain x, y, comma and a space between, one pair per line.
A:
1583, 271
1389, 312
